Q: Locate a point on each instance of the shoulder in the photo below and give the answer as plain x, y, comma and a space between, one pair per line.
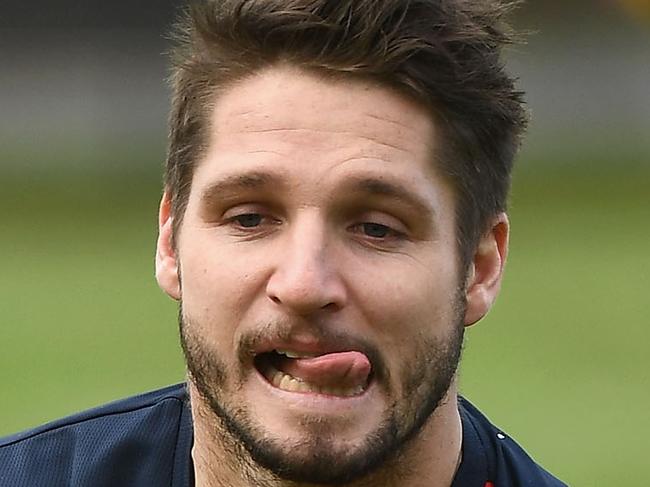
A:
136, 441
507, 463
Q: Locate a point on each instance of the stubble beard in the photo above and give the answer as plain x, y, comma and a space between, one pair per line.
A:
425, 381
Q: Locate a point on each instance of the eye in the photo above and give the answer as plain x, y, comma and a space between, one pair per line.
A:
376, 230
247, 220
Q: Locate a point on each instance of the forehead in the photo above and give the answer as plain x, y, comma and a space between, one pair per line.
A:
285, 100
317, 132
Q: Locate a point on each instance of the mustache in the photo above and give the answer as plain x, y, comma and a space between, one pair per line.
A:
328, 337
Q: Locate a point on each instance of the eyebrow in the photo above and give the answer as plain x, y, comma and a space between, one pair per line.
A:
232, 185
382, 188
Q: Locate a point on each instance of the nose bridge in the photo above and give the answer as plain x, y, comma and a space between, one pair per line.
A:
307, 246
305, 277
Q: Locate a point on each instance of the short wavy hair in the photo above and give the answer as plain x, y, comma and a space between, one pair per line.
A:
445, 54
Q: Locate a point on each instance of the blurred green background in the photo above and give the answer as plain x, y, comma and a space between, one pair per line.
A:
560, 363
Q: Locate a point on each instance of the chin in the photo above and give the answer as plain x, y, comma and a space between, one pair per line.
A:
305, 445
319, 457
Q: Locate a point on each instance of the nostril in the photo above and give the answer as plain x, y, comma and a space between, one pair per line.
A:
306, 293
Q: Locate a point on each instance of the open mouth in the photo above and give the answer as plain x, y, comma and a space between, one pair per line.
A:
340, 374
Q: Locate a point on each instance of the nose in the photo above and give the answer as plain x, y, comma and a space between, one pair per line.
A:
306, 278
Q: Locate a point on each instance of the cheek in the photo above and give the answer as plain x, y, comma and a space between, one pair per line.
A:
404, 301
217, 288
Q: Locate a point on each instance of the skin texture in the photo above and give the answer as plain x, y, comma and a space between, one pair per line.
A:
316, 219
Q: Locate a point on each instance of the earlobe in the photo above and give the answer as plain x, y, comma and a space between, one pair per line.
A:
486, 270
166, 260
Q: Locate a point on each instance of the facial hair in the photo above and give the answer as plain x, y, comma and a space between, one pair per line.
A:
425, 381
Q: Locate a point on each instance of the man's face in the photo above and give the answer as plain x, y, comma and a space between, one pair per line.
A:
322, 303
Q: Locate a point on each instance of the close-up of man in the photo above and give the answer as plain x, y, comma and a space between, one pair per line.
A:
333, 219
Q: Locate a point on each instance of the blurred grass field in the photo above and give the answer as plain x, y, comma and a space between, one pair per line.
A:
561, 363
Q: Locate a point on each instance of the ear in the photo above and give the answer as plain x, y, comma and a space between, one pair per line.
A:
486, 270
166, 260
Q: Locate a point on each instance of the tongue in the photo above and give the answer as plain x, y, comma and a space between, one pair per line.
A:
342, 369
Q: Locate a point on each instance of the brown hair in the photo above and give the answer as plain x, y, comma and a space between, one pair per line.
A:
443, 53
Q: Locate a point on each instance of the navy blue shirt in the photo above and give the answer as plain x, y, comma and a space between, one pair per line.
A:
146, 441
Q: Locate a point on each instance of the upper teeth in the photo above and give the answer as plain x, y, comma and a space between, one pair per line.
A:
292, 354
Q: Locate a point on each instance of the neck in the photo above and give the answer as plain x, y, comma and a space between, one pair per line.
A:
428, 460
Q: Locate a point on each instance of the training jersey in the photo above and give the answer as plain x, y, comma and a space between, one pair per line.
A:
146, 441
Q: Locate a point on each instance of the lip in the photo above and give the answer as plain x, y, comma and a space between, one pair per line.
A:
306, 346
263, 360
314, 400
